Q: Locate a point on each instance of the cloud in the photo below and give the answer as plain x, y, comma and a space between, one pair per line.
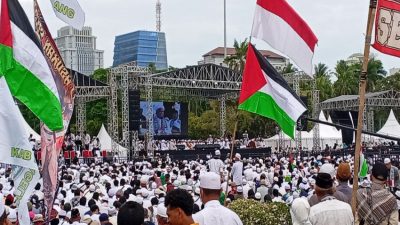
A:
195, 27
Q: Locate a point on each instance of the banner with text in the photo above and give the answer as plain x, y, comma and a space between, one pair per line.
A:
70, 12
17, 151
52, 142
387, 28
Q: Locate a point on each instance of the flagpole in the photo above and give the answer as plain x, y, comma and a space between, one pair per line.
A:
363, 85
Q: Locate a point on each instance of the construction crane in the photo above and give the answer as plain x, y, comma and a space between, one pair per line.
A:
158, 16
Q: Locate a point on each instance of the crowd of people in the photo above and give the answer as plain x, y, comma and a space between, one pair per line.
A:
317, 189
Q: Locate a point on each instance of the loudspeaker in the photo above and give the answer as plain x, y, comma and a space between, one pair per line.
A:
344, 118
134, 109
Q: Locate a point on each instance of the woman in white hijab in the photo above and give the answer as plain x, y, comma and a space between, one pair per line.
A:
300, 212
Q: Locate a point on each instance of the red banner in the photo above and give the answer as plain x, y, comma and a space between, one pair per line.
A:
387, 27
51, 142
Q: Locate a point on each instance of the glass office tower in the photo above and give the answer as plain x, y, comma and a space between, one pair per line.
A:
144, 47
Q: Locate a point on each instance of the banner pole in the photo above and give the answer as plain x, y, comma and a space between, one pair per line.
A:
362, 88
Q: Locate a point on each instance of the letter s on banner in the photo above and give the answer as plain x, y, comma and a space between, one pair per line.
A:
387, 27
70, 12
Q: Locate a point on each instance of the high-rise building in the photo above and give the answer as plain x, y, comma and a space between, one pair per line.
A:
78, 49
143, 47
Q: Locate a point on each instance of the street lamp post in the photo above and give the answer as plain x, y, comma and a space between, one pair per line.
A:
225, 53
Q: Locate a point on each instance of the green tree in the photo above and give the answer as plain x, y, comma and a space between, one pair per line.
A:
321, 70
376, 72
238, 60
389, 83
347, 79
100, 75
152, 67
323, 82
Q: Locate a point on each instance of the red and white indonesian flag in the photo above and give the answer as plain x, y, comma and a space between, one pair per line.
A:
265, 92
277, 23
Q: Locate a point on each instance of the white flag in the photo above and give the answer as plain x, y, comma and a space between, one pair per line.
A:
70, 12
17, 151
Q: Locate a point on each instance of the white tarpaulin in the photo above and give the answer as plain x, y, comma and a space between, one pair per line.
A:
106, 144
70, 12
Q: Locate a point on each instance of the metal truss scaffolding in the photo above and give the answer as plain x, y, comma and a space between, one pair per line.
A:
128, 74
206, 81
81, 115
149, 113
296, 87
222, 116
113, 115
125, 108
374, 101
316, 134
87, 89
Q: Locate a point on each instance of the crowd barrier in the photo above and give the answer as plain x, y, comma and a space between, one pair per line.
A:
373, 154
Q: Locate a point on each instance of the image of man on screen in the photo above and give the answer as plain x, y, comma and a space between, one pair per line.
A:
175, 123
161, 123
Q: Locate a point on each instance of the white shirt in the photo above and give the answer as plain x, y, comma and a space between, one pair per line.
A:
216, 214
237, 171
215, 165
331, 212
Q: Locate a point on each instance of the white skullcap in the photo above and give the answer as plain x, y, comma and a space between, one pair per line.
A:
217, 152
60, 197
258, 195
92, 188
162, 210
144, 179
139, 199
237, 155
329, 169
240, 189
386, 161
211, 181
145, 193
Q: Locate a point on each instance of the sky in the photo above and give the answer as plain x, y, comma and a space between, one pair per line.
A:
193, 28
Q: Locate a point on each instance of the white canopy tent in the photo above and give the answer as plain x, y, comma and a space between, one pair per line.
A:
328, 135
390, 128
106, 143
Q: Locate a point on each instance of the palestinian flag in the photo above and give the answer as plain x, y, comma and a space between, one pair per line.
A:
24, 66
364, 165
265, 92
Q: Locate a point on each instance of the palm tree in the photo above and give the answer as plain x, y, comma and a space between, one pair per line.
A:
321, 70
347, 79
375, 73
289, 68
238, 60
